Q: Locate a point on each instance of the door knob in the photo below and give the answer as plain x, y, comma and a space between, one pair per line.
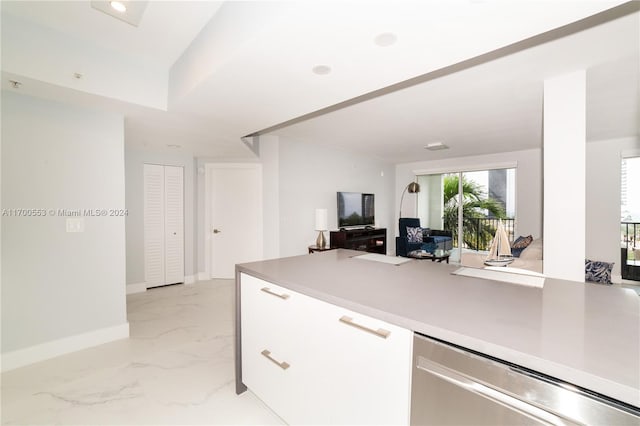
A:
216, 231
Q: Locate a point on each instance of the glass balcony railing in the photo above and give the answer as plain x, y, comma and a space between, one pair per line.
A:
479, 232
630, 250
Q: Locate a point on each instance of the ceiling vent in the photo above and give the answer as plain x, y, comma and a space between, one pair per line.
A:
321, 69
385, 39
436, 146
132, 13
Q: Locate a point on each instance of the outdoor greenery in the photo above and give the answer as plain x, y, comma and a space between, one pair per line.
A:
475, 206
630, 237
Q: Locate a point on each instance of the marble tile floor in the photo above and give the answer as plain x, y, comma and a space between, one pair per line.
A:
176, 368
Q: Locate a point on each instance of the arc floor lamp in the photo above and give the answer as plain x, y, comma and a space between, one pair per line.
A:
412, 187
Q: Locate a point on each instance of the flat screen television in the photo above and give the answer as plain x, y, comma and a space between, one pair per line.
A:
355, 209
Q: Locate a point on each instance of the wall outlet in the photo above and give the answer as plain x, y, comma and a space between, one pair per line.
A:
75, 224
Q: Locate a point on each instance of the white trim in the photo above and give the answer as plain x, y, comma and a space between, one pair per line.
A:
628, 283
189, 279
44, 351
136, 288
203, 276
630, 153
469, 168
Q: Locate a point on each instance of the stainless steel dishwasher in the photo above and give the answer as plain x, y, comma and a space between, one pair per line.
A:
453, 386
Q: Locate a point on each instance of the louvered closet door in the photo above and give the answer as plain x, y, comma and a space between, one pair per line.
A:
163, 225
174, 224
154, 257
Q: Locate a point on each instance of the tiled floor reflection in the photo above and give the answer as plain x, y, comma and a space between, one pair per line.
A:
176, 368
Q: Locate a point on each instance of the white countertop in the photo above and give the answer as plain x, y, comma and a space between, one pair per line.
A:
585, 334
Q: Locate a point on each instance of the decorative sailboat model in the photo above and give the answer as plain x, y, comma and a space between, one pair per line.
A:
500, 250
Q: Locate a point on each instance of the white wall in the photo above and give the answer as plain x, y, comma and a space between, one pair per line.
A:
106, 73
57, 284
299, 177
528, 183
134, 160
564, 167
269, 154
309, 178
223, 37
603, 199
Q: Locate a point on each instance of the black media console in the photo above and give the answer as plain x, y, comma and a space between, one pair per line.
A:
373, 240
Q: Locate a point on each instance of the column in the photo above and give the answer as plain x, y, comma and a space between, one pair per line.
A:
564, 175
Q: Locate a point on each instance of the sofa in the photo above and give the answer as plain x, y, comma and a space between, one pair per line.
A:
530, 258
431, 238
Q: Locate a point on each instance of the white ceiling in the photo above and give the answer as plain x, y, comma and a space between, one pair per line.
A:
240, 67
496, 106
166, 30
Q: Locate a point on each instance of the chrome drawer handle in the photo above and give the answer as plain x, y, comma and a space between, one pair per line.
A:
268, 291
379, 332
282, 364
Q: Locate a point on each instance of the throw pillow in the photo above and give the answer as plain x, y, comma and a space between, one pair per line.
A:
596, 271
533, 252
414, 235
520, 244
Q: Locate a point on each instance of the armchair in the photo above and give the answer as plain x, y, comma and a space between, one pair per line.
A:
403, 246
442, 239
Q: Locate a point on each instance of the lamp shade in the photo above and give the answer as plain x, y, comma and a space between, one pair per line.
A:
321, 219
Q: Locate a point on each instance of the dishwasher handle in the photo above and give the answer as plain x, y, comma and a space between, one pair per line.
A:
493, 394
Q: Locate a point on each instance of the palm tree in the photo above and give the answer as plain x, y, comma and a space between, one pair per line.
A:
475, 204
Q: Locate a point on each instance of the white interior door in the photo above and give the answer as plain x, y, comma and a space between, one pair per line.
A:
235, 216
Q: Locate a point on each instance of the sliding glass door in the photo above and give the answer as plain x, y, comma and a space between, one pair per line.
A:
489, 197
431, 201
630, 219
469, 205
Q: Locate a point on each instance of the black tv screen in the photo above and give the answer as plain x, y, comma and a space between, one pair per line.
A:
355, 209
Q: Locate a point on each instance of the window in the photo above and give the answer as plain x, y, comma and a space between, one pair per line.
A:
469, 205
630, 218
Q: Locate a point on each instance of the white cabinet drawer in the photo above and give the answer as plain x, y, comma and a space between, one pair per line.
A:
273, 319
341, 367
369, 365
273, 384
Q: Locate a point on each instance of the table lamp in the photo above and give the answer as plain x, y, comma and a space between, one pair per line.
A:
321, 226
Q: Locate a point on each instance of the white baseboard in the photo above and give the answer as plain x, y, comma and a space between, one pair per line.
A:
189, 279
202, 276
44, 351
136, 288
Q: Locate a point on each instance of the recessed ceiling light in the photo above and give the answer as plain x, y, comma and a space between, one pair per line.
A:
385, 39
118, 6
321, 69
128, 11
436, 146
173, 146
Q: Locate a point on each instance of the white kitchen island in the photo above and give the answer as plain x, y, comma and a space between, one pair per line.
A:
587, 335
